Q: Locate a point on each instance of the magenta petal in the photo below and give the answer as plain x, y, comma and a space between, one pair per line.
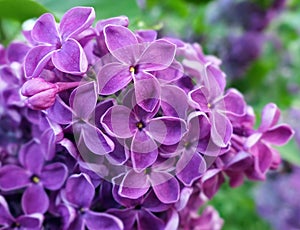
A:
147, 91
70, 58
32, 221
190, 167
75, 21
174, 101
117, 122
35, 199
146, 219
234, 103
269, 117
157, 56
200, 98
84, 99
167, 130
278, 135
102, 221
143, 151
221, 129
172, 73
165, 187
121, 43
79, 190
13, 177
54, 175
113, 77
36, 59
96, 140
45, 30
134, 185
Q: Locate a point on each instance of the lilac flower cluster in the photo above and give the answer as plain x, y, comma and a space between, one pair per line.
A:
106, 128
281, 205
244, 43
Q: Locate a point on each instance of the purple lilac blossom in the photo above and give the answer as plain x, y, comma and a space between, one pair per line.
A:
107, 128
277, 199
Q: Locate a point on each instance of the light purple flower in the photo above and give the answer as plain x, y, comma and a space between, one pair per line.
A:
59, 44
134, 61
144, 130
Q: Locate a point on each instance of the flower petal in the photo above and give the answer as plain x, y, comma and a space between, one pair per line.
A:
79, 190
143, 151
221, 129
54, 175
234, 103
96, 140
269, 117
158, 55
165, 187
278, 135
174, 101
36, 59
83, 100
134, 185
6, 218
13, 177
45, 30
127, 215
32, 221
122, 43
113, 77
102, 221
75, 21
35, 200
190, 167
199, 98
146, 219
118, 122
167, 130
32, 157
70, 58
147, 91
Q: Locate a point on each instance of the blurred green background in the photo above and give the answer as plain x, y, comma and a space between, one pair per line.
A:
273, 76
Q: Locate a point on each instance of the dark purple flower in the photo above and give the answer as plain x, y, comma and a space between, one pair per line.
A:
59, 44
27, 221
78, 195
35, 176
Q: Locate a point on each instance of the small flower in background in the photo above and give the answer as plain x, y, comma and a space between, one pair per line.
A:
278, 200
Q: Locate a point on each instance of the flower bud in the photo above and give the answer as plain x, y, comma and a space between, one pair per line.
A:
35, 86
42, 100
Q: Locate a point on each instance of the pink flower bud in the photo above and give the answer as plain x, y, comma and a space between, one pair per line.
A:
35, 86
42, 100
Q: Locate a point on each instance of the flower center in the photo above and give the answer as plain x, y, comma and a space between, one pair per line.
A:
132, 70
140, 125
35, 179
209, 105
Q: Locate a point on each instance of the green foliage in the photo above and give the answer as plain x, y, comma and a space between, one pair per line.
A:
237, 207
103, 8
20, 10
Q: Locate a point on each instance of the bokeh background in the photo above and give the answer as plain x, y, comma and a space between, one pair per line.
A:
258, 42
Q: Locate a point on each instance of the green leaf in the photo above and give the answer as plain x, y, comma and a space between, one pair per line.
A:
103, 8
20, 10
